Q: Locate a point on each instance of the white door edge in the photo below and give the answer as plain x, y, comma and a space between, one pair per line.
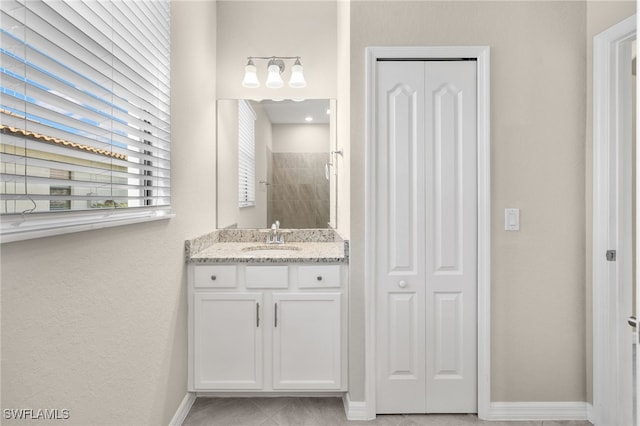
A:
607, 118
481, 54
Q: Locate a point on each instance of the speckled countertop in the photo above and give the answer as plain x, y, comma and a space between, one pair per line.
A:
234, 246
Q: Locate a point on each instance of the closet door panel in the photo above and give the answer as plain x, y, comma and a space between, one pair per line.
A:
451, 236
400, 226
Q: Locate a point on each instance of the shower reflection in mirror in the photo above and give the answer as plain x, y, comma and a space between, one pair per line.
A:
295, 164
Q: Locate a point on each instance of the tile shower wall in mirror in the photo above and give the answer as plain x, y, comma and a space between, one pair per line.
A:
299, 194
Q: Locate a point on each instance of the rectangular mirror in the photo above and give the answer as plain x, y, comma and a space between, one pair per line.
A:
276, 161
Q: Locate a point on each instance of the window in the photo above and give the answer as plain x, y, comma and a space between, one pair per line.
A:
84, 115
59, 203
246, 155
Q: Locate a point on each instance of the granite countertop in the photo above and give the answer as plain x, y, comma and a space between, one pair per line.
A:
233, 246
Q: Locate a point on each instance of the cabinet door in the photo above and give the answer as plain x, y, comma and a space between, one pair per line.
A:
306, 341
228, 341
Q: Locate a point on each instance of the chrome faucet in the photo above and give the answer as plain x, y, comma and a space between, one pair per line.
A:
275, 237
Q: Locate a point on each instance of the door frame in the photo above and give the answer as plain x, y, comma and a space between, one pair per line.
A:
611, 216
481, 54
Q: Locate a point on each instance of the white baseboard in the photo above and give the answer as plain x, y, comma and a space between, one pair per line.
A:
244, 394
590, 414
538, 411
355, 410
183, 409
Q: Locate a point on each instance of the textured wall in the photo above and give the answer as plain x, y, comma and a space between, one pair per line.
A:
280, 28
538, 79
96, 322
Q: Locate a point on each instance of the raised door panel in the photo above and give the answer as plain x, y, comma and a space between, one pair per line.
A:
404, 359
307, 341
447, 174
228, 341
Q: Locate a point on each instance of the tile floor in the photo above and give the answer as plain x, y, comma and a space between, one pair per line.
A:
321, 412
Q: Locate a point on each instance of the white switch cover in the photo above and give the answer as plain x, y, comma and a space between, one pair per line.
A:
511, 219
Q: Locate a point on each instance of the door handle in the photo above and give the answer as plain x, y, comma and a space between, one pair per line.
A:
275, 321
632, 321
402, 283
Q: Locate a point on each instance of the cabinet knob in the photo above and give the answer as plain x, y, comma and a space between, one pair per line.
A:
319, 278
402, 284
213, 277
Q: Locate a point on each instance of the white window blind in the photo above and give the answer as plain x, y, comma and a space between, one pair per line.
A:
85, 114
246, 155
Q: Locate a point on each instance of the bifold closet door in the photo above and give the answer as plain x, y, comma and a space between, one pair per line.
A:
426, 207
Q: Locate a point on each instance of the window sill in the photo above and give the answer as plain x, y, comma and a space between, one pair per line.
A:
20, 228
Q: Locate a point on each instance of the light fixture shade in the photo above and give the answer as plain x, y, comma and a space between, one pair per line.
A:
297, 77
274, 81
250, 77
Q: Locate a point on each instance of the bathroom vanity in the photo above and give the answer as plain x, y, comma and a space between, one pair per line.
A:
267, 317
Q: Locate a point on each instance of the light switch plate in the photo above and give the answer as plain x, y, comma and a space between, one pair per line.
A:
512, 219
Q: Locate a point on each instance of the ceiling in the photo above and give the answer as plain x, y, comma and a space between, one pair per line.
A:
292, 112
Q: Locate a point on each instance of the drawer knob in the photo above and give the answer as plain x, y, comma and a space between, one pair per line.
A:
402, 284
213, 277
319, 278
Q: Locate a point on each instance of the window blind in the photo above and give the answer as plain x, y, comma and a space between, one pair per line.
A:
246, 155
84, 108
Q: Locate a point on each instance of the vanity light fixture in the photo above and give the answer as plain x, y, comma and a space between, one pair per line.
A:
250, 76
275, 68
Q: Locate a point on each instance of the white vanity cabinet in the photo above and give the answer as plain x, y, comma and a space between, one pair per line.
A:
306, 341
227, 329
267, 328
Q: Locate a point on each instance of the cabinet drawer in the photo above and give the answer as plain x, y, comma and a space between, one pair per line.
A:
316, 276
215, 276
267, 277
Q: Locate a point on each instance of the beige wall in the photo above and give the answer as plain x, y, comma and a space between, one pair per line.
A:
96, 321
281, 28
538, 79
600, 16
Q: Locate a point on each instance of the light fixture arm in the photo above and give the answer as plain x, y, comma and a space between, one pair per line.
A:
277, 61
273, 57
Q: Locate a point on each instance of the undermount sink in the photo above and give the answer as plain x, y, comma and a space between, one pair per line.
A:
271, 249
